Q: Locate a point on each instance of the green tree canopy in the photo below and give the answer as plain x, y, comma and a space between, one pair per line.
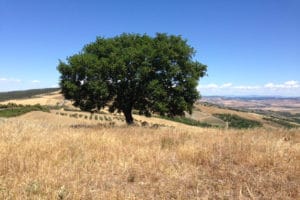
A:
132, 71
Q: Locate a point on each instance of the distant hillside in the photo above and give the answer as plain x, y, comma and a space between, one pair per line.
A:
273, 111
4, 96
277, 104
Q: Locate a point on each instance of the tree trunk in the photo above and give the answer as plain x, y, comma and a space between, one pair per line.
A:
128, 116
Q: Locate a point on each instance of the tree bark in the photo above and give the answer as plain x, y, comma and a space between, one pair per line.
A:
128, 116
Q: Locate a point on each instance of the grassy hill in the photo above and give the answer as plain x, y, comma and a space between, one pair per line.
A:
205, 114
205, 111
49, 156
24, 94
68, 154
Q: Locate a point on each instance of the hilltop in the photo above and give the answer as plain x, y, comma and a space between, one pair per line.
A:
25, 94
44, 155
209, 111
68, 154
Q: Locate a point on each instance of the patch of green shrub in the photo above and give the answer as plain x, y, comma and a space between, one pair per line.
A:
13, 110
187, 121
281, 122
106, 118
235, 121
75, 115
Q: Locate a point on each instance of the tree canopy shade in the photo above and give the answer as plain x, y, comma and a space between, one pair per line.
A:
132, 71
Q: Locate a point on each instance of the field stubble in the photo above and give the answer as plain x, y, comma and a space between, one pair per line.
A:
43, 157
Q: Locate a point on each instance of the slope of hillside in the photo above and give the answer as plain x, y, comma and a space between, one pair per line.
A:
203, 112
51, 99
268, 119
212, 109
48, 156
205, 117
276, 104
76, 155
24, 94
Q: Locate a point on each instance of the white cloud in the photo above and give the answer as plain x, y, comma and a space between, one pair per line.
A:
269, 85
245, 87
288, 88
226, 85
285, 85
9, 80
209, 86
54, 86
291, 82
35, 81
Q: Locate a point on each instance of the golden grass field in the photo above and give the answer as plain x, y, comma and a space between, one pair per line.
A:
48, 156
52, 99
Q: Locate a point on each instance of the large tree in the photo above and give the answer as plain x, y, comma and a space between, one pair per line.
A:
132, 71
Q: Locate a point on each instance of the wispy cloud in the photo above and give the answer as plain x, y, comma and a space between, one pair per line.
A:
286, 85
215, 86
288, 88
54, 86
226, 85
35, 81
9, 80
247, 87
209, 86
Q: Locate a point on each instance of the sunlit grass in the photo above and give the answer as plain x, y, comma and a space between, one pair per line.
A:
44, 156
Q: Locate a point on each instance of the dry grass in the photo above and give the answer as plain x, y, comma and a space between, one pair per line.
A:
43, 157
247, 115
216, 110
52, 99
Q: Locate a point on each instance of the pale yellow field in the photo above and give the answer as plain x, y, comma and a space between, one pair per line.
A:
52, 99
46, 156
215, 110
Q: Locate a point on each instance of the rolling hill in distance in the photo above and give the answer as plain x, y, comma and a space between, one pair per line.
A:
276, 103
270, 111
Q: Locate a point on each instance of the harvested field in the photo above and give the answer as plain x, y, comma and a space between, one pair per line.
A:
44, 156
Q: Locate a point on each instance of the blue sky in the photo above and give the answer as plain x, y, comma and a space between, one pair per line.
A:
251, 47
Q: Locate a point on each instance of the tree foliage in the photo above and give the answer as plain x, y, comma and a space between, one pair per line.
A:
132, 71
